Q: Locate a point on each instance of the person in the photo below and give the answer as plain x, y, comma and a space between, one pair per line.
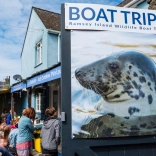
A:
4, 138
16, 121
4, 132
4, 113
25, 134
12, 124
15, 114
12, 140
9, 117
2, 125
4, 120
50, 133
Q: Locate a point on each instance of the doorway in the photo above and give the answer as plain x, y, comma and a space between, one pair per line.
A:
54, 98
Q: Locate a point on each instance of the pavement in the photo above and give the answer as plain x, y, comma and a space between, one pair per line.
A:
36, 153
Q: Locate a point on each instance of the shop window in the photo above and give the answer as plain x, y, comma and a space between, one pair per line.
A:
38, 102
39, 53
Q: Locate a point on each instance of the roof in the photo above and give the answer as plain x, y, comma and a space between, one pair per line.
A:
51, 20
130, 3
123, 3
3, 91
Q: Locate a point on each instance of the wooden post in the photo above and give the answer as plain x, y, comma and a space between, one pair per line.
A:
12, 106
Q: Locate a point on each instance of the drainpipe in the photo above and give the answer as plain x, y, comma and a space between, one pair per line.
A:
59, 51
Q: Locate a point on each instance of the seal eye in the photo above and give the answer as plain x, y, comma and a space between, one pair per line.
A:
113, 66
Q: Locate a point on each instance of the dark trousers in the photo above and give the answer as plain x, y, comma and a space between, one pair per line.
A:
12, 150
50, 152
5, 152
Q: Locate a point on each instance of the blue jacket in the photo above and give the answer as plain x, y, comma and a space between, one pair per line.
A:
13, 137
26, 130
8, 119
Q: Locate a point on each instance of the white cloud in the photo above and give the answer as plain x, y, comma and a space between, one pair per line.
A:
10, 10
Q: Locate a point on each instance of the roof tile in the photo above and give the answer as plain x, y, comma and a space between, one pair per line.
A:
51, 20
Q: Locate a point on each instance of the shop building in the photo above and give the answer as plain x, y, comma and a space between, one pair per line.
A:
40, 56
5, 96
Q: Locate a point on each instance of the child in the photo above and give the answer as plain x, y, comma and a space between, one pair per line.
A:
4, 140
2, 125
12, 124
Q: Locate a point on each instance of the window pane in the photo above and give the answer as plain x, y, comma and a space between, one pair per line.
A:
38, 102
39, 53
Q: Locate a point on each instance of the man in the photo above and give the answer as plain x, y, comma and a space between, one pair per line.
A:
8, 118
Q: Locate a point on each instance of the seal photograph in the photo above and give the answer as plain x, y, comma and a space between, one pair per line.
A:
113, 79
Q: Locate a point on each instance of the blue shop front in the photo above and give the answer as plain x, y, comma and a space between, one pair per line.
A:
40, 91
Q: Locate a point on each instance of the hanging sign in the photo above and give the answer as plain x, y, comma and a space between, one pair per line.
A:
18, 87
45, 77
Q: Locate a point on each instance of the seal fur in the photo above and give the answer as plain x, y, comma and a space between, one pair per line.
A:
126, 78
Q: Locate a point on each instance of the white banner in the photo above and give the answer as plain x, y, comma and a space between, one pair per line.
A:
102, 17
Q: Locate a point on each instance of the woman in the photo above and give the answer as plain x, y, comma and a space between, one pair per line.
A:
50, 133
25, 135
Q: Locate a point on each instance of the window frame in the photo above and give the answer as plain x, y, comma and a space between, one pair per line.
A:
38, 103
38, 53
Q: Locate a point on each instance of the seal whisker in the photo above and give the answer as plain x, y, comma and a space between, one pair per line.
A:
98, 89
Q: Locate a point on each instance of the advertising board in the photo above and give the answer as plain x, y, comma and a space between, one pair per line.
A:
113, 75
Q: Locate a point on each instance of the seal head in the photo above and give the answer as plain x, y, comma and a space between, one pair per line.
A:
120, 77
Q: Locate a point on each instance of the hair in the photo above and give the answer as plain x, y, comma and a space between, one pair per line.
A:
3, 119
50, 111
17, 120
2, 125
5, 110
11, 122
29, 112
6, 132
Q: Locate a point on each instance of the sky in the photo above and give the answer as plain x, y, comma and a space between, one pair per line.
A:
14, 16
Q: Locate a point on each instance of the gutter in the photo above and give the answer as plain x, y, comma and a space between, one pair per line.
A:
53, 31
133, 4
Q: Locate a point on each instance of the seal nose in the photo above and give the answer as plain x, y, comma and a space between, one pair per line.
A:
78, 73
